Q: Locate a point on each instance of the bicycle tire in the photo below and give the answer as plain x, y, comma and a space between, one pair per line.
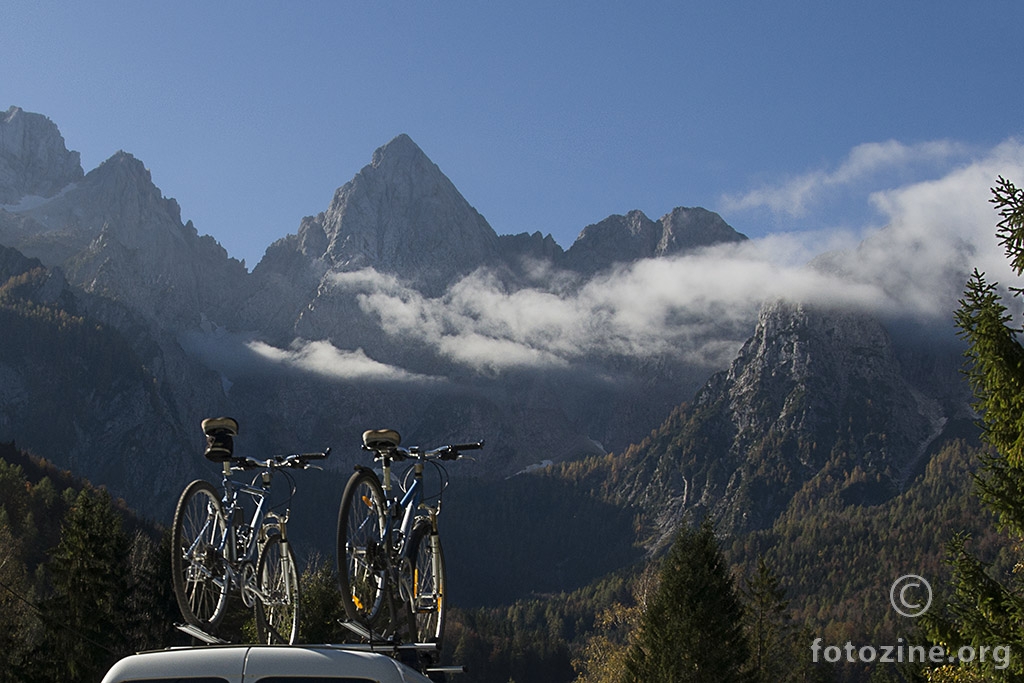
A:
429, 583
198, 570
278, 606
361, 547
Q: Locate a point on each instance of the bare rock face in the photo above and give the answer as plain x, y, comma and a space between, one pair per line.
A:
622, 239
400, 214
114, 234
813, 393
821, 372
33, 158
685, 229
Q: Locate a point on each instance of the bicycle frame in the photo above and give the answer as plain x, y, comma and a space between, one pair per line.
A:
407, 507
222, 542
254, 531
232, 507
410, 502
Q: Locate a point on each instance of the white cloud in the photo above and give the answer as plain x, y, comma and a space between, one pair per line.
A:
866, 163
699, 307
323, 358
702, 306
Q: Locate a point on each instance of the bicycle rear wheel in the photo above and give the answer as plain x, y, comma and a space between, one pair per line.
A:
277, 608
429, 583
362, 562
198, 570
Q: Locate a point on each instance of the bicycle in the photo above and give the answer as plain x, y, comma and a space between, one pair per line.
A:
390, 562
216, 549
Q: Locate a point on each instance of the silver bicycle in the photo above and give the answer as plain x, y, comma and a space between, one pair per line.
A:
390, 563
231, 540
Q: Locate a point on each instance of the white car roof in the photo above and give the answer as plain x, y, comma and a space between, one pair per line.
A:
252, 663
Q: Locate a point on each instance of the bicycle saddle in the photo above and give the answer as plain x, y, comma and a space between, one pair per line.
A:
220, 433
379, 439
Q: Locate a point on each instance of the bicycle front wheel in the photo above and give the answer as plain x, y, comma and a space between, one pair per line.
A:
429, 583
362, 524
198, 570
277, 608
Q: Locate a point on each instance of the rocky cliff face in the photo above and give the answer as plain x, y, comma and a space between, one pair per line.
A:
114, 234
622, 239
812, 389
33, 159
399, 214
349, 324
91, 397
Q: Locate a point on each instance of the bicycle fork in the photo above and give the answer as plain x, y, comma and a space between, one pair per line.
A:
273, 594
432, 601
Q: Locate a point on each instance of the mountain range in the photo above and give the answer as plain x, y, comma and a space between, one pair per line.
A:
399, 306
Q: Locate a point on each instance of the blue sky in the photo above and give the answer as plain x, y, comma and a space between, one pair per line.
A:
782, 116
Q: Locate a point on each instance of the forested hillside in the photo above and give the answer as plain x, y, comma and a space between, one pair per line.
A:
832, 554
83, 580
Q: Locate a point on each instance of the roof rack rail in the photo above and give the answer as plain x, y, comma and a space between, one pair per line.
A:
200, 634
445, 670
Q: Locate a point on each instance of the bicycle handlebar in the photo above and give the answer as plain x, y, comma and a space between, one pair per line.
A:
298, 460
454, 451
449, 452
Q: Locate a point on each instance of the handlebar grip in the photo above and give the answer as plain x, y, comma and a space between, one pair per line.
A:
300, 459
452, 452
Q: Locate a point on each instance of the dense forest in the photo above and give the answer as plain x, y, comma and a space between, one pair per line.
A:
86, 581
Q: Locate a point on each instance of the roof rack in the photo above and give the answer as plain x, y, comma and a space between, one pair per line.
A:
376, 643
200, 634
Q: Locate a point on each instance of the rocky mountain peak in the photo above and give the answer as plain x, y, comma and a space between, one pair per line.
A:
812, 371
813, 392
811, 375
128, 202
124, 169
33, 157
685, 228
620, 239
399, 214
114, 234
401, 152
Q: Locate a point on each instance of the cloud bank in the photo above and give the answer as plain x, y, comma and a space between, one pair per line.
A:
866, 164
237, 355
325, 359
699, 308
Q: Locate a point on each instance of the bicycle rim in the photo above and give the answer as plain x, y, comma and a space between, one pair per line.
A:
277, 609
429, 584
361, 548
199, 572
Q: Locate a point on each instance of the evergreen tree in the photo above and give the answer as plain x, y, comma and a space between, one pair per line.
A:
984, 610
16, 613
84, 616
692, 630
768, 626
150, 608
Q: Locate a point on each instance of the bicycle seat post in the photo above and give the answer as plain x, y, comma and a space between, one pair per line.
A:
386, 471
